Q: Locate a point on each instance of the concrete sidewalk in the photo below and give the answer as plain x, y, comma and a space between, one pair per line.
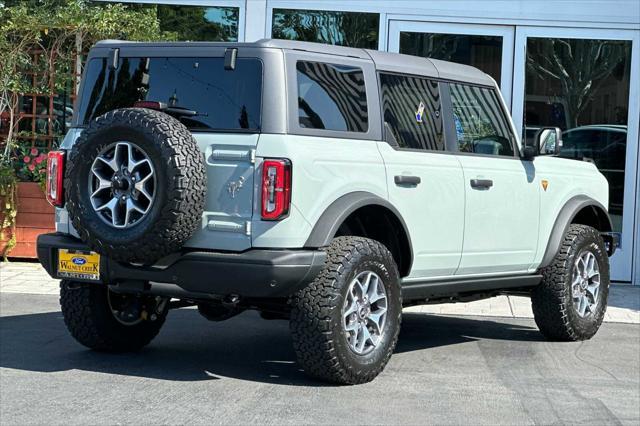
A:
624, 300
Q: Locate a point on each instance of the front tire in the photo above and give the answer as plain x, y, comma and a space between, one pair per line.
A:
345, 324
106, 321
571, 301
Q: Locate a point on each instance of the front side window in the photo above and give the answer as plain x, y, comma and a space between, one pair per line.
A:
331, 97
220, 99
412, 112
480, 123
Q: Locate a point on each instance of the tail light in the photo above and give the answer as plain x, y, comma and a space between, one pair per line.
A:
276, 189
55, 175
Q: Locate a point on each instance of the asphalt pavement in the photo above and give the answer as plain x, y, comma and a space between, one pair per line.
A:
446, 370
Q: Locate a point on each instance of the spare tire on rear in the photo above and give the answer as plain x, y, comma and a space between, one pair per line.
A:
135, 185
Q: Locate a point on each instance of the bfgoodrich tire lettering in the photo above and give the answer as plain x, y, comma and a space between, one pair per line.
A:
179, 196
552, 301
319, 339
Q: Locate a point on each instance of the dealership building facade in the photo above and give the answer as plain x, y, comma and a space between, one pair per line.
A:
564, 63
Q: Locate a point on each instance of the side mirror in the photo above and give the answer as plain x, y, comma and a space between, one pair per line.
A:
548, 141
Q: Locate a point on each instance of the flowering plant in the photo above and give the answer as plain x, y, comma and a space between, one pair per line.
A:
31, 164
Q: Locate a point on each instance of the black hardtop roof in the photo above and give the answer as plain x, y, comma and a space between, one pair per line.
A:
384, 61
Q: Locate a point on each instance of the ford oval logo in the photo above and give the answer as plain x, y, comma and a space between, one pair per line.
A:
79, 260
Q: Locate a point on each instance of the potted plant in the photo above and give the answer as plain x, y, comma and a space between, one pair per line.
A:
8, 207
35, 215
25, 212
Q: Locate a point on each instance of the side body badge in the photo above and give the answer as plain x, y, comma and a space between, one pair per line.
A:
545, 184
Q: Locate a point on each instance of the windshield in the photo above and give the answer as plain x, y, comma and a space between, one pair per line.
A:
223, 99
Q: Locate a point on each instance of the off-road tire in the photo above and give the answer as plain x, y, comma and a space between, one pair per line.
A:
552, 301
88, 317
180, 192
316, 317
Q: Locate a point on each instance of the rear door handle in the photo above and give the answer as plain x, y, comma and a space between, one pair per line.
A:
481, 183
406, 180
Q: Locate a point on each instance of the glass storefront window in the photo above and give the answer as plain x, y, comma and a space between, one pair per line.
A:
582, 87
352, 29
481, 51
193, 23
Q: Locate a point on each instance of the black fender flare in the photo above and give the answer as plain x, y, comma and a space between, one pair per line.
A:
338, 211
565, 217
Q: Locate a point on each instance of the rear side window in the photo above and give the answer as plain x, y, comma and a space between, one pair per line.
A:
331, 97
412, 112
223, 99
481, 125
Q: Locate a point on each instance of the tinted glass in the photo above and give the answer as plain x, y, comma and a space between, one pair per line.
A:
412, 111
352, 29
481, 125
582, 87
200, 23
225, 100
331, 97
483, 52
589, 142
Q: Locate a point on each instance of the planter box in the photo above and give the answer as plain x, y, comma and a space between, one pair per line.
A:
35, 216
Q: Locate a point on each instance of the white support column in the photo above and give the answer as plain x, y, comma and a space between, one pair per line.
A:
255, 20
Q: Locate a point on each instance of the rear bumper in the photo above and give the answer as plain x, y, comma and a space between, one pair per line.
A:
254, 273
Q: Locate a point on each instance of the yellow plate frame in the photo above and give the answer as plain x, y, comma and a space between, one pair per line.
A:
80, 265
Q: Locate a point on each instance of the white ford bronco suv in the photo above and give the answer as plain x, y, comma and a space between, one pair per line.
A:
325, 185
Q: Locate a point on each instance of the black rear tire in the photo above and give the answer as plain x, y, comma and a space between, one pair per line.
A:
552, 301
87, 314
316, 322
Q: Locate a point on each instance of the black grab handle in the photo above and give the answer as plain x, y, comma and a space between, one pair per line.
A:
406, 180
481, 183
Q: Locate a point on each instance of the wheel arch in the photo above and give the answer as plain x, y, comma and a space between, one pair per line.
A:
581, 210
355, 205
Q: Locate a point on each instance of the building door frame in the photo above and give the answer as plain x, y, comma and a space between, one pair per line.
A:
621, 262
507, 32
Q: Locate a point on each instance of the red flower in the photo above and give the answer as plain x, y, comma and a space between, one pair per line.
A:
34, 151
32, 167
26, 159
39, 159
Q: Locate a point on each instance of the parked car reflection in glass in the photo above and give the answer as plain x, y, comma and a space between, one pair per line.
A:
605, 145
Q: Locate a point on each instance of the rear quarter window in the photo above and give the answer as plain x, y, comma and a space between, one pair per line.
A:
331, 97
